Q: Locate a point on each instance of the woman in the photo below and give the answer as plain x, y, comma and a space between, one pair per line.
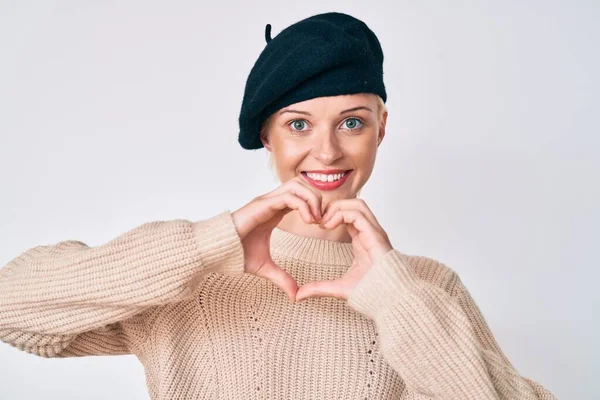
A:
296, 295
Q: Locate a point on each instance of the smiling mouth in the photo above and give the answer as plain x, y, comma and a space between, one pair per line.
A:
330, 182
346, 172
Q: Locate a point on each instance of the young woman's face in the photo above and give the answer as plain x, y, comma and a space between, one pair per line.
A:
328, 135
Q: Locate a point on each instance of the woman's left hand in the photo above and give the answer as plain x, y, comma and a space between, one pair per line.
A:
369, 241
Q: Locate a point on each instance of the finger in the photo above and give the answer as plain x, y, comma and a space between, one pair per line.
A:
333, 288
359, 249
288, 200
351, 204
352, 231
354, 217
312, 196
309, 194
317, 196
281, 278
374, 240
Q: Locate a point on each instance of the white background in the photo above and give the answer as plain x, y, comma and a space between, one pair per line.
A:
117, 113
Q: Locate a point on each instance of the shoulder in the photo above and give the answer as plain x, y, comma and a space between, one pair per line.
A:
435, 272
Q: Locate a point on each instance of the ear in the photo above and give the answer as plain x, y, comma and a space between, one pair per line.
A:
266, 144
382, 128
264, 134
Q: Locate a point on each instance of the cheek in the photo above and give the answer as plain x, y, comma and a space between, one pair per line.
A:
287, 158
363, 154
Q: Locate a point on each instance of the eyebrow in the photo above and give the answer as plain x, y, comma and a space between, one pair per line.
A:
343, 112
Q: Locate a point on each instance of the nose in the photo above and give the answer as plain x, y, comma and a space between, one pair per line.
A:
327, 147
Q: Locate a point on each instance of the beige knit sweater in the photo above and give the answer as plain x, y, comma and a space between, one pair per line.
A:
174, 293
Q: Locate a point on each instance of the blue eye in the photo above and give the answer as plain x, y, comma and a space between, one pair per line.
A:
353, 123
298, 124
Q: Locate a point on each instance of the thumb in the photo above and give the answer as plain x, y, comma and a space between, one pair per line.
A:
280, 277
321, 289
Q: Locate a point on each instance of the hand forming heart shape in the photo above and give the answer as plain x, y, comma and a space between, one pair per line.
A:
256, 220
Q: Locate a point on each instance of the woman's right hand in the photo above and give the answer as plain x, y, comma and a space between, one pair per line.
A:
256, 220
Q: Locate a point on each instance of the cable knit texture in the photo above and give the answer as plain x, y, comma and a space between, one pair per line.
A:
174, 294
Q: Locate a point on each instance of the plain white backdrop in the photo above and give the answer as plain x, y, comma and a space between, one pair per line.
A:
113, 114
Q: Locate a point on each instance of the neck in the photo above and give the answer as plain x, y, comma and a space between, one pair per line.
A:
310, 256
292, 222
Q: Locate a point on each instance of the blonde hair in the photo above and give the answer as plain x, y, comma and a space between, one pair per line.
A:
264, 129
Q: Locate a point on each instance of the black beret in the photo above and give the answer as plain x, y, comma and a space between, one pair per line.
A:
327, 54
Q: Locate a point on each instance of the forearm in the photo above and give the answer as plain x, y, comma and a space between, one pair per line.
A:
439, 343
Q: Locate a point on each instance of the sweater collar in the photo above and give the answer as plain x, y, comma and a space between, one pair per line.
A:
310, 249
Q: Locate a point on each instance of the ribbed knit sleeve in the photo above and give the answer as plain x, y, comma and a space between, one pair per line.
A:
70, 299
434, 335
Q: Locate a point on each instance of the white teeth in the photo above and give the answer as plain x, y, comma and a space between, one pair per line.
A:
325, 178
